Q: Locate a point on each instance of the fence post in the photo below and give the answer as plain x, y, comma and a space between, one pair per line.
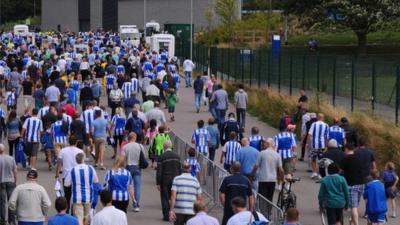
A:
353, 73
373, 91
334, 82
397, 94
269, 68
303, 82
241, 59
318, 72
222, 63
259, 67
251, 67
291, 75
279, 72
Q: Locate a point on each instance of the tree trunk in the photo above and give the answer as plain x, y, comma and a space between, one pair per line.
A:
362, 42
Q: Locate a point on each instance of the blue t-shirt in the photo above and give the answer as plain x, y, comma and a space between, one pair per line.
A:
247, 156
63, 219
375, 194
100, 128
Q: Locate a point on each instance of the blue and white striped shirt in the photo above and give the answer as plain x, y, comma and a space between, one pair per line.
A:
201, 138
135, 85
118, 124
337, 133
76, 85
67, 119
10, 99
87, 117
285, 142
319, 133
230, 149
2, 113
110, 81
127, 89
255, 141
194, 166
81, 179
43, 111
33, 126
118, 183
59, 135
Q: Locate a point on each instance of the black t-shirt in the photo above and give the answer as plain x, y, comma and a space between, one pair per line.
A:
367, 157
334, 154
78, 129
27, 87
235, 186
352, 167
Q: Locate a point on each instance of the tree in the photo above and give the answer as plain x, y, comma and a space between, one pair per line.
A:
227, 11
361, 16
209, 15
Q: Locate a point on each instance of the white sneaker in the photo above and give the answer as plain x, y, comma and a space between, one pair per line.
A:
314, 175
319, 177
136, 209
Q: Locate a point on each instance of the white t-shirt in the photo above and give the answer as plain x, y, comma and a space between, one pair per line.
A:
84, 66
244, 218
188, 65
1, 70
110, 215
67, 155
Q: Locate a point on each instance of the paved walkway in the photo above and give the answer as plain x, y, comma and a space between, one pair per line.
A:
186, 118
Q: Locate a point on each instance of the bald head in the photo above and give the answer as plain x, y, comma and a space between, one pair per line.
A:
245, 142
321, 117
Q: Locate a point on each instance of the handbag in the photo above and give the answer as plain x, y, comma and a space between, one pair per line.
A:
143, 164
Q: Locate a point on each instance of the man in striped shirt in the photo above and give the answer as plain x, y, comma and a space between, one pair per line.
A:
185, 192
59, 130
87, 117
317, 138
135, 85
127, 88
337, 133
81, 179
201, 138
229, 151
44, 110
255, 139
31, 131
286, 145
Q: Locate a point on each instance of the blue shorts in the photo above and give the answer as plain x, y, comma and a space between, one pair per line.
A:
376, 217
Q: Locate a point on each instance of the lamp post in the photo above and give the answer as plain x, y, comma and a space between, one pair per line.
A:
191, 29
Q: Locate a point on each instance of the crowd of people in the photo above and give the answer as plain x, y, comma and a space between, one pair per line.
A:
79, 102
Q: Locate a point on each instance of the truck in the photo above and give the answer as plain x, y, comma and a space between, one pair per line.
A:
130, 32
22, 30
163, 41
150, 29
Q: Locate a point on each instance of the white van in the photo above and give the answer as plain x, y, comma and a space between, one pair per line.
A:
22, 30
130, 32
163, 41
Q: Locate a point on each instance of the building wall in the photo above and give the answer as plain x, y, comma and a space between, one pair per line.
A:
62, 12
96, 14
164, 11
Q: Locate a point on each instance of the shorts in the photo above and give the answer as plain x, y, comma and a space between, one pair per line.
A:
171, 109
58, 147
391, 193
334, 215
81, 211
99, 145
287, 166
376, 217
31, 149
316, 154
355, 194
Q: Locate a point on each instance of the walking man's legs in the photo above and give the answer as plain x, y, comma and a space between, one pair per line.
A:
197, 101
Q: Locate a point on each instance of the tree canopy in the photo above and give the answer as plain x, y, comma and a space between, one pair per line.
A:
12, 10
361, 16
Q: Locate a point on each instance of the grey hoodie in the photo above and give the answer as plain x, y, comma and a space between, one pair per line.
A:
241, 99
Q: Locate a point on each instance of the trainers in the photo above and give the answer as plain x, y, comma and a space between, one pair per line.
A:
314, 175
136, 209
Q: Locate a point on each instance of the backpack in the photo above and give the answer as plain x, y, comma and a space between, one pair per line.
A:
256, 219
136, 125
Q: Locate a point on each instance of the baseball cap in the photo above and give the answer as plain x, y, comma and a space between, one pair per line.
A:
33, 174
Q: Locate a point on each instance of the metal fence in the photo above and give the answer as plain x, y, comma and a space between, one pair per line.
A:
356, 83
211, 177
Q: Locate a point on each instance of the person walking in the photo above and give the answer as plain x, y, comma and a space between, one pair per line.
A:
229, 151
117, 129
13, 125
185, 191
65, 162
201, 217
337, 133
131, 152
109, 214
231, 125
235, 185
116, 96
188, 67
241, 101
198, 87
8, 179
292, 217
285, 143
99, 131
214, 138
96, 91
168, 167
30, 201
318, 138
247, 156
375, 198
137, 125
390, 179
119, 182
220, 99
255, 138
243, 216
333, 195
269, 168
31, 131
157, 114
62, 217
201, 138
81, 179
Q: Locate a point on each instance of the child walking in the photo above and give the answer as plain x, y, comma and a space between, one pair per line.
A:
390, 180
171, 100
192, 161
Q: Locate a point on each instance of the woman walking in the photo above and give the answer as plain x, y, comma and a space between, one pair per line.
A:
14, 126
117, 129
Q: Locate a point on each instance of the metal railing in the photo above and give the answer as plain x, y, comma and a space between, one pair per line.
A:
211, 176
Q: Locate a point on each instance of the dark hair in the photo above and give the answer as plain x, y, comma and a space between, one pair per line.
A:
72, 140
192, 152
97, 113
12, 115
292, 214
34, 111
255, 130
61, 204
153, 123
333, 168
240, 86
362, 141
105, 197
238, 202
200, 123
232, 135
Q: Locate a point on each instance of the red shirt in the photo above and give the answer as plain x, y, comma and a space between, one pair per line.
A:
69, 110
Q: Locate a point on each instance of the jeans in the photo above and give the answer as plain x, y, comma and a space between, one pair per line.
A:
197, 100
212, 110
137, 183
6, 190
267, 190
188, 78
241, 117
165, 193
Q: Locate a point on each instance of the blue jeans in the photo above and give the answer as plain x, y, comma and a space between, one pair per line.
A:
221, 117
197, 100
241, 117
188, 78
137, 182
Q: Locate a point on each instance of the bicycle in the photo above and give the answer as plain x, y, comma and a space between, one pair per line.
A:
287, 198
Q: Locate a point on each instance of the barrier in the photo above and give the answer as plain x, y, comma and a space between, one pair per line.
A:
211, 176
